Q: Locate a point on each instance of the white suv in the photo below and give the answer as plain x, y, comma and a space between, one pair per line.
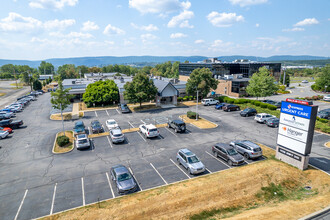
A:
210, 101
262, 117
149, 130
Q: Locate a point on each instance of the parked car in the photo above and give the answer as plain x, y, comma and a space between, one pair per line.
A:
79, 128
209, 101
326, 98
7, 115
248, 112
177, 125
228, 108
190, 161
278, 104
227, 153
123, 108
6, 129
273, 122
82, 142
262, 117
325, 113
220, 105
96, 127
111, 124
149, 130
247, 148
123, 179
3, 134
11, 124
304, 81
116, 135
269, 101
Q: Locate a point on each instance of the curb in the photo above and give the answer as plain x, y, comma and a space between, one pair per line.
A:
325, 144
55, 144
316, 214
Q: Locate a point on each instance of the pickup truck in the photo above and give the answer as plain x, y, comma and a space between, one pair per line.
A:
11, 124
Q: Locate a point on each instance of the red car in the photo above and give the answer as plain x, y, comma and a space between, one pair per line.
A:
7, 129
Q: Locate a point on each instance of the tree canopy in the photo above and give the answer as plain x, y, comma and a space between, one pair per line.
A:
37, 85
45, 68
203, 80
262, 84
101, 92
287, 79
141, 89
323, 81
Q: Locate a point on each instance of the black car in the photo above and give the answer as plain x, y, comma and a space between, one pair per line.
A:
228, 108
123, 108
96, 127
325, 113
11, 124
227, 153
248, 112
177, 125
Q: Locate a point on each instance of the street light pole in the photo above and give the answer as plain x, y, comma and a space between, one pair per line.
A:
284, 77
197, 106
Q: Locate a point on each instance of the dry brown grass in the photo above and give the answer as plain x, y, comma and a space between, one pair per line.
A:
2, 93
66, 148
230, 188
144, 107
98, 135
188, 103
327, 144
57, 117
83, 107
201, 123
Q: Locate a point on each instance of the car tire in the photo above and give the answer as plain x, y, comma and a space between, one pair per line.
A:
246, 155
228, 110
216, 154
177, 159
230, 163
176, 131
208, 104
189, 170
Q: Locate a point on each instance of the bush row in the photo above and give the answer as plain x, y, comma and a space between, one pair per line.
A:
243, 101
315, 97
192, 115
62, 140
186, 98
323, 120
316, 87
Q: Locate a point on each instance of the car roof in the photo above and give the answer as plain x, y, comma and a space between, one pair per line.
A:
120, 169
95, 121
111, 120
187, 152
81, 136
79, 123
116, 131
178, 121
250, 143
264, 114
150, 126
223, 145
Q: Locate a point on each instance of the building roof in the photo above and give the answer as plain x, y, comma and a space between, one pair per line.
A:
161, 85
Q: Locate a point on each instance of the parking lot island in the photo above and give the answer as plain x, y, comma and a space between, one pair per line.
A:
201, 123
67, 148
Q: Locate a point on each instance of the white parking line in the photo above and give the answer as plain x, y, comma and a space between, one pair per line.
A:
246, 161
142, 136
217, 159
113, 195
142, 121
107, 112
135, 178
89, 130
53, 200
96, 114
83, 190
208, 170
171, 132
130, 124
20, 206
159, 174
180, 168
109, 142
118, 111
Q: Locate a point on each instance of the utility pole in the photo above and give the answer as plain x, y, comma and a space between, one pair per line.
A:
197, 105
15, 78
284, 77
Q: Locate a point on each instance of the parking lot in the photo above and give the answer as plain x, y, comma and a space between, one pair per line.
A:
36, 183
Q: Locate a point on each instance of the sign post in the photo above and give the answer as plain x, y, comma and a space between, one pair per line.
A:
295, 132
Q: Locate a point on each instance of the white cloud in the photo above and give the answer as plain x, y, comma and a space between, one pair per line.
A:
109, 42
128, 43
89, 26
178, 35
52, 4
149, 27
307, 21
16, 22
181, 20
59, 24
257, 25
112, 30
244, 3
295, 29
147, 37
199, 41
221, 46
224, 19
71, 35
158, 6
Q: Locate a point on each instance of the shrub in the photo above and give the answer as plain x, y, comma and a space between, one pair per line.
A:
257, 103
191, 97
192, 115
185, 98
180, 99
230, 100
221, 98
316, 87
323, 120
282, 88
271, 107
62, 140
263, 105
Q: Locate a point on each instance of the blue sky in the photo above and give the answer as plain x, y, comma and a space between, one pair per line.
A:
41, 29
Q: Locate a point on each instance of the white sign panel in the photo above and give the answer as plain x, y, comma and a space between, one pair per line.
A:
293, 133
294, 121
291, 144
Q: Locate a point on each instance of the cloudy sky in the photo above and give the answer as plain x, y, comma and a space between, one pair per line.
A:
41, 29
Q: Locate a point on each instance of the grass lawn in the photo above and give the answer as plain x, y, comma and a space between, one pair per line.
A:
135, 108
67, 147
18, 84
299, 79
264, 190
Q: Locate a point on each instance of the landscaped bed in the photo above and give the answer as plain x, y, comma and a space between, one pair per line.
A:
200, 123
68, 147
261, 190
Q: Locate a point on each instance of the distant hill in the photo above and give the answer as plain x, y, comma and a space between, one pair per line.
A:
146, 60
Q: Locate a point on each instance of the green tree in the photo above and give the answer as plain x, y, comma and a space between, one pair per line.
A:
68, 71
262, 84
45, 68
202, 80
60, 100
37, 85
287, 79
140, 89
101, 92
323, 81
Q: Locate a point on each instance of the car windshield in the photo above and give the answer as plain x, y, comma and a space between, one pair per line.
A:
124, 176
111, 122
246, 110
232, 151
117, 135
82, 141
193, 159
